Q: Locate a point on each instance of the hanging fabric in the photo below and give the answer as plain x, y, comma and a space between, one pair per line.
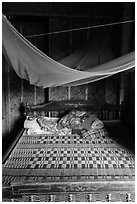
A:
33, 65
97, 51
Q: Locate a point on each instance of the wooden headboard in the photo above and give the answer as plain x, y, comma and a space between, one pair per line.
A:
105, 111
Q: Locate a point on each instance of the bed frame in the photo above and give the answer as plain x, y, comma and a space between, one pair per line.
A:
57, 108
104, 111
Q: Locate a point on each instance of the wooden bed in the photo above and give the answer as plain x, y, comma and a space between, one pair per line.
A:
68, 168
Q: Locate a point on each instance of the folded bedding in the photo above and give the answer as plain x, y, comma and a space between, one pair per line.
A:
84, 123
42, 125
80, 119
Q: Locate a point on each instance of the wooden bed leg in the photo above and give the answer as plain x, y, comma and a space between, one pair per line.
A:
128, 197
31, 198
90, 198
51, 198
109, 197
70, 198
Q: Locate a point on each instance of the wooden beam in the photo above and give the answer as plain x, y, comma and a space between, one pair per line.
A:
22, 88
37, 14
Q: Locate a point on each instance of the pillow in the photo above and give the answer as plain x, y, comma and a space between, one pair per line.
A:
35, 131
71, 120
75, 119
93, 133
87, 122
93, 123
40, 124
47, 124
64, 131
47, 121
31, 123
97, 124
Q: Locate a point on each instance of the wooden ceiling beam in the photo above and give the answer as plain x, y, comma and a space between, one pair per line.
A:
12, 14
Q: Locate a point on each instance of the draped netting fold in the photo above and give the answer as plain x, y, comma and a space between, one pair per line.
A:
33, 65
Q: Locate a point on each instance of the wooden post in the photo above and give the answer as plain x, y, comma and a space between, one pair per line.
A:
7, 67
70, 45
3, 87
88, 37
86, 92
49, 89
22, 88
118, 89
35, 88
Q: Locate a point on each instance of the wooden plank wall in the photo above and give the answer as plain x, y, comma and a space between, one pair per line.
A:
15, 90
63, 44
